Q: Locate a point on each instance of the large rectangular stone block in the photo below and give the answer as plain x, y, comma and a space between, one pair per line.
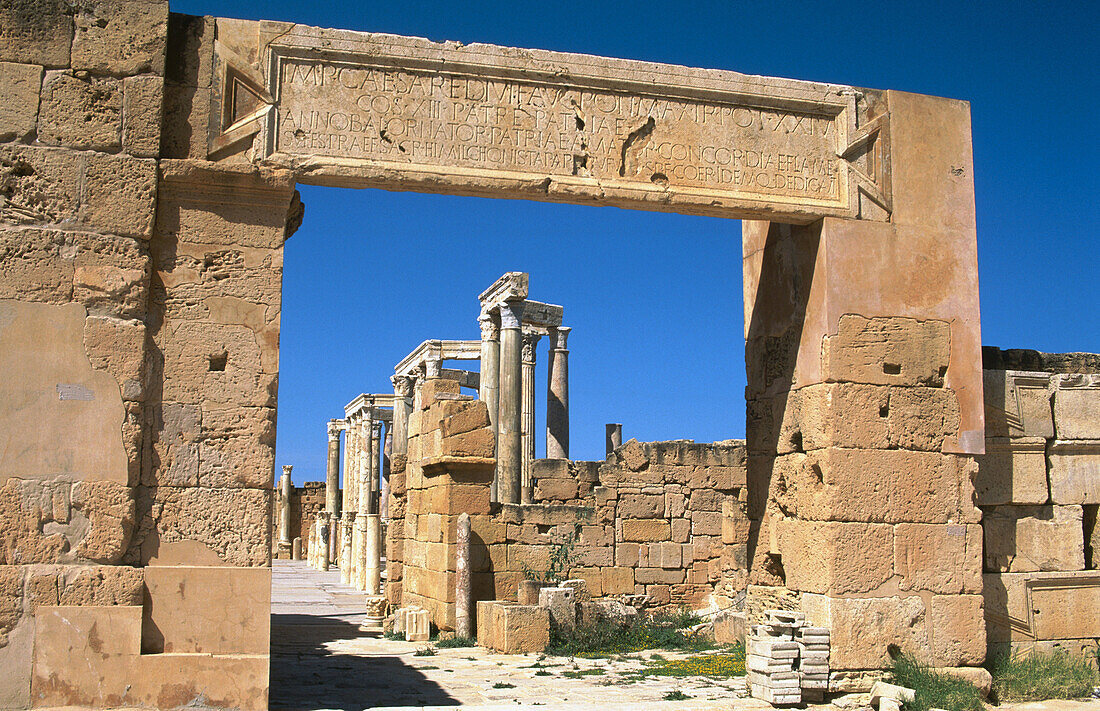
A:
887, 351
1077, 407
36, 32
645, 530
81, 112
1012, 471
835, 558
939, 558
199, 526
119, 37
1017, 403
957, 623
1043, 606
1075, 471
1020, 539
19, 87
863, 630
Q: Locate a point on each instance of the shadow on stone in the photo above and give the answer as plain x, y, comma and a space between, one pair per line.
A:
305, 674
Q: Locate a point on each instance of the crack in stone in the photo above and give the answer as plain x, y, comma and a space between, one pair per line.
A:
638, 134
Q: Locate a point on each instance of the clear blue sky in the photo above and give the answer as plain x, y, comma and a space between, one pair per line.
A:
655, 299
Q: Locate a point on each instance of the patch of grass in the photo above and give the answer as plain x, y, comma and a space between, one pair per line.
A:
453, 642
503, 685
1038, 676
394, 635
543, 672
428, 651
720, 665
676, 695
607, 638
595, 671
934, 690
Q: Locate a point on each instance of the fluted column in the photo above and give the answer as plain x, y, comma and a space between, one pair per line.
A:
375, 466
509, 452
332, 473
402, 407
557, 395
489, 389
527, 437
351, 466
284, 512
365, 455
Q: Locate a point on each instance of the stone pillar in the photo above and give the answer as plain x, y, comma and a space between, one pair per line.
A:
373, 551
296, 548
351, 465
347, 538
463, 591
489, 390
285, 489
509, 451
387, 458
332, 474
557, 395
359, 552
527, 412
614, 435
375, 466
323, 529
402, 407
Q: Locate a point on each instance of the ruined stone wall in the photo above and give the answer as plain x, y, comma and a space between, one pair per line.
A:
664, 524
306, 501
1039, 489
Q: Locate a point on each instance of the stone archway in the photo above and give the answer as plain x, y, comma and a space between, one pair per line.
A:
862, 323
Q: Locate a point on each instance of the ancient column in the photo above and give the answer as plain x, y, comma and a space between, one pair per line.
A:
373, 562
332, 474
527, 437
296, 548
614, 434
347, 522
284, 512
375, 466
489, 390
557, 395
509, 452
463, 591
402, 407
387, 458
323, 528
359, 564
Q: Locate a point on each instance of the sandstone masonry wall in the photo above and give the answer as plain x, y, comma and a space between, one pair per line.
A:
1039, 489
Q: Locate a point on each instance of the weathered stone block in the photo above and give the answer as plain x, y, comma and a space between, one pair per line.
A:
118, 347
236, 447
81, 112
521, 629
835, 558
887, 351
957, 624
19, 87
862, 630
42, 185
645, 530
118, 37
177, 620
1075, 471
120, 195
555, 489
109, 511
34, 269
1020, 539
706, 523
941, 558
665, 555
36, 32
214, 364
641, 506
617, 580
1077, 411
142, 107
1017, 404
462, 417
432, 387
199, 526
663, 576
190, 50
1012, 471
478, 443
102, 585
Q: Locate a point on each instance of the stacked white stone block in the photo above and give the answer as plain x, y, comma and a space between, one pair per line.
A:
786, 661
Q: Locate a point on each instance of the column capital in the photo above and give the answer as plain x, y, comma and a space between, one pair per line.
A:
558, 337
511, 314
287, 468
490, 326
376, 428
530, 341
334, 427
403, 385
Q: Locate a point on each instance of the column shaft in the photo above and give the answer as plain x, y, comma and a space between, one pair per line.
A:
375, 467
489, 390
284, 507
463, 592
527, 415
557, 396
332, 473
402, 408
509, 454
373, 554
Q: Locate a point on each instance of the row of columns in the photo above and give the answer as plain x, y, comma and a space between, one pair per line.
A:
508, 389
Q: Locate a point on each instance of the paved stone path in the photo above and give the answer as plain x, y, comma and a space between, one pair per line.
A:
321, 660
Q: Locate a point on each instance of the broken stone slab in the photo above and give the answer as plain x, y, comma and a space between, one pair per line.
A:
560, 601
979, 677
882, 690
785, 617
768, 665
417, 626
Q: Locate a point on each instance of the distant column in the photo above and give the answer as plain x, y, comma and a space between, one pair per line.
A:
366, 426
489, 389
614, 433
285, 543
527, 438
332, 474
351, 465
373, 563
375, 467
387, 458
509, 452
463, 591
402, 407
323, 528
557, 395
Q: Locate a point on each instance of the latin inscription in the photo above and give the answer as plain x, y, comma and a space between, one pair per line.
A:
392, 115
